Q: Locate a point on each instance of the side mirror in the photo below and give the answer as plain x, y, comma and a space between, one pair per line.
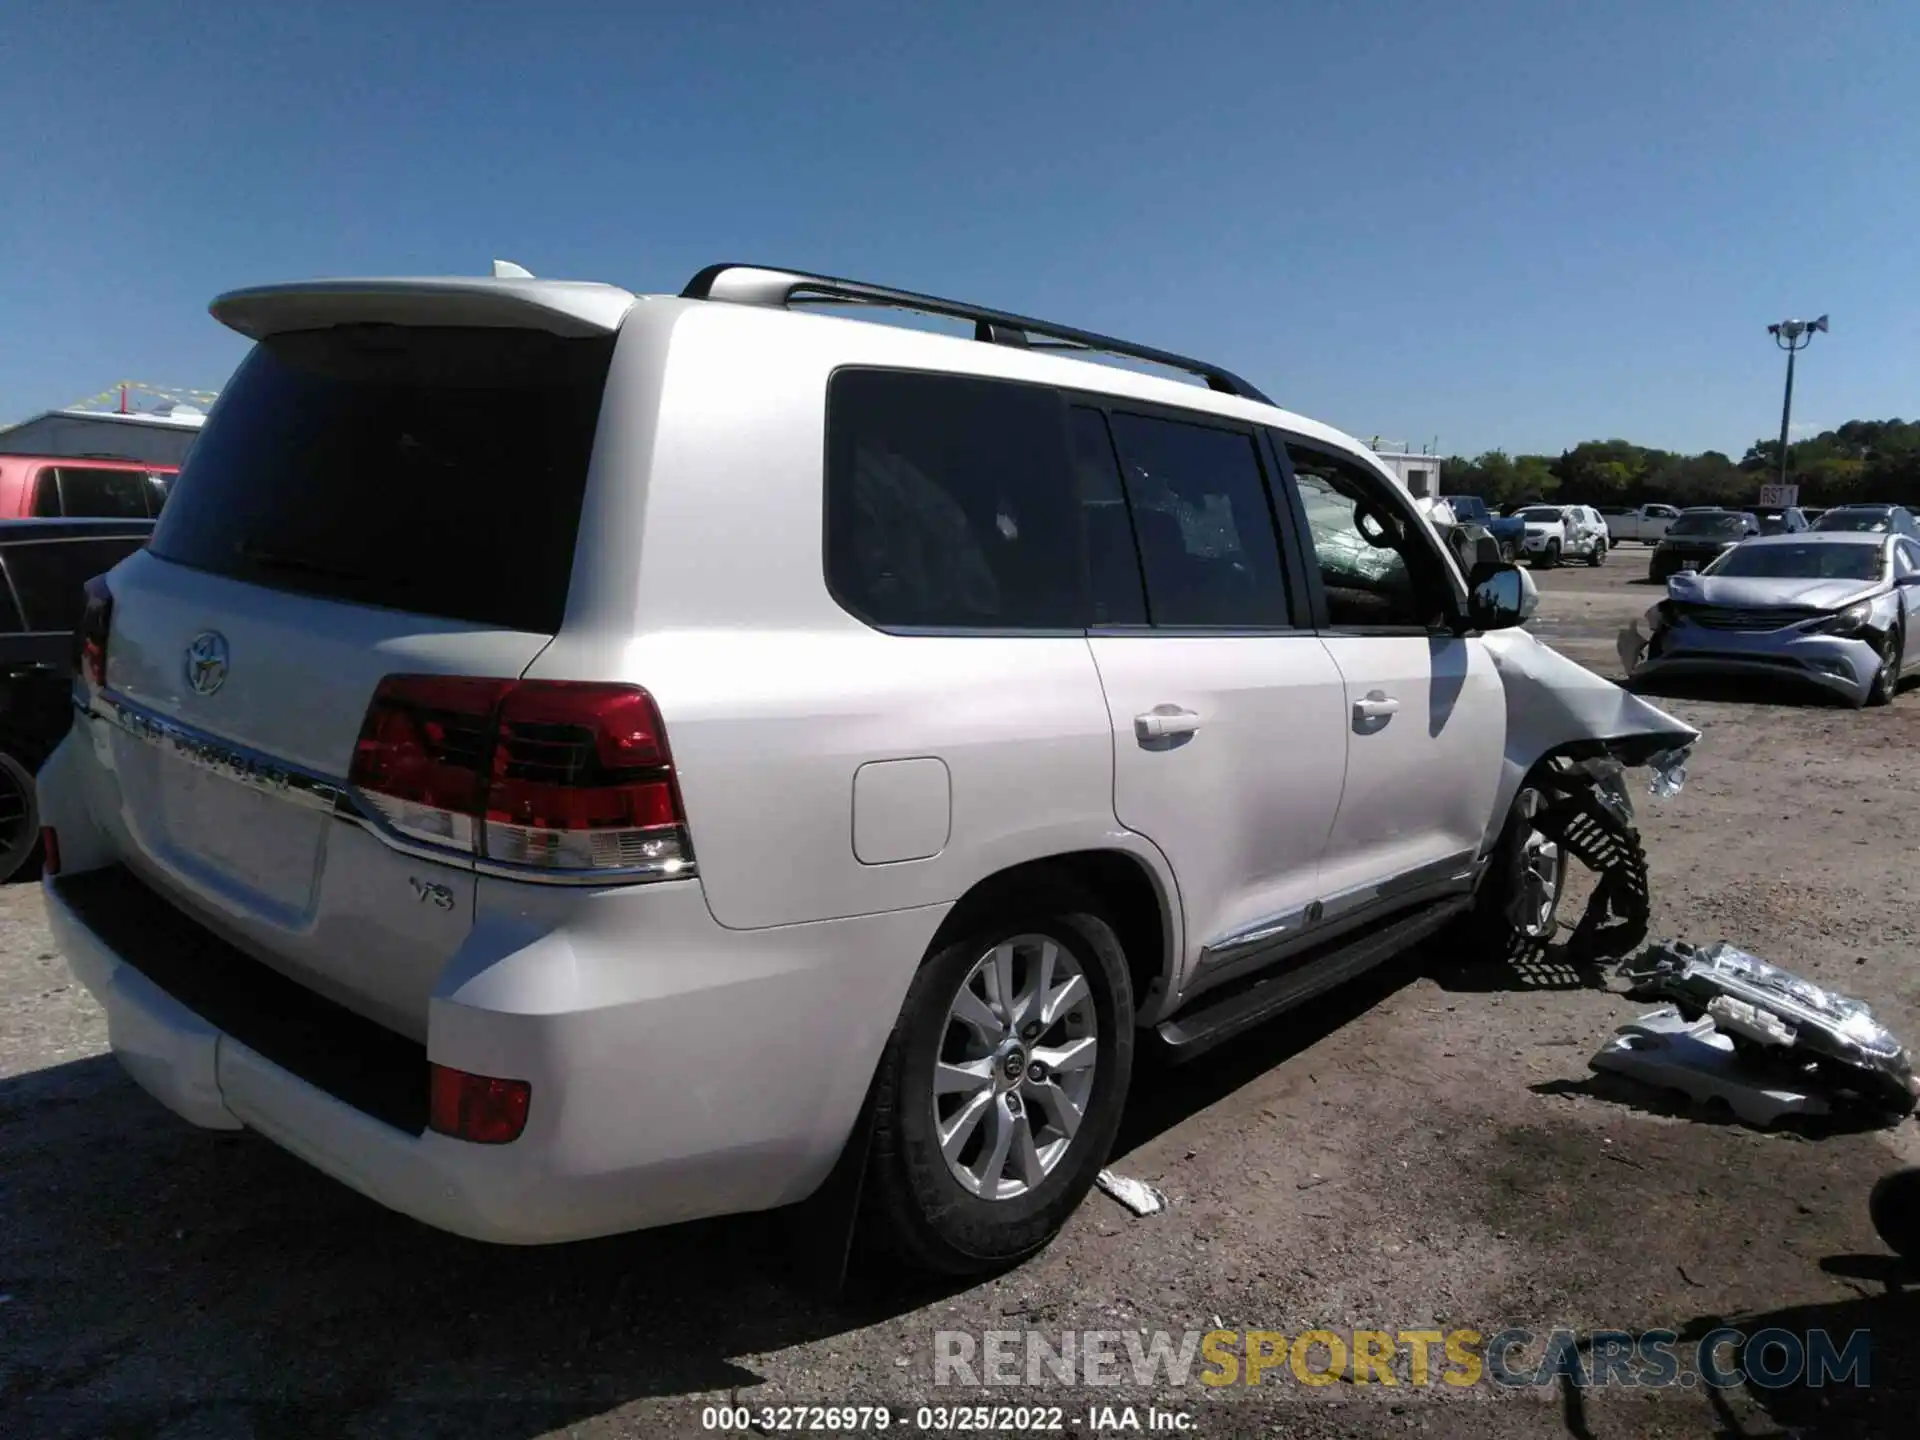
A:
1499, 596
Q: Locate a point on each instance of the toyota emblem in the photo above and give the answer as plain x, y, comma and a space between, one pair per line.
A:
207, 662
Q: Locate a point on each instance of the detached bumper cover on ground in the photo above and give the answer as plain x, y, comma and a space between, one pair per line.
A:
1831, 1041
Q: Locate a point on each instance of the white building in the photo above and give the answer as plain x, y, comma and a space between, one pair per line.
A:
110, 425
1418, 470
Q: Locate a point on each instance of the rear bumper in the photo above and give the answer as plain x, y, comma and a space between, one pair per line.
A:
679, 1070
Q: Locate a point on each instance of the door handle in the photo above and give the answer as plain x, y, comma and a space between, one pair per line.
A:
1164, 720
1376, 705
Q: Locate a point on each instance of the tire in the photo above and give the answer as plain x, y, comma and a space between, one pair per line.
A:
927, 1214
1599, 555
1894, 1208
19, 817
1887, 678
1511, 913
1550, 557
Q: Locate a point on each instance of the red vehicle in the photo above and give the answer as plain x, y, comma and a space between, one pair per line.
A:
47, 486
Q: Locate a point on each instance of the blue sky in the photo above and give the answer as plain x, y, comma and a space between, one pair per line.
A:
1502, 224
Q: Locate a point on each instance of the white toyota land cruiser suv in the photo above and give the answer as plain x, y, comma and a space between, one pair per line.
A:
568, 760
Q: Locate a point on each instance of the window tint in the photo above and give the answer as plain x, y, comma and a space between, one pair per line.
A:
951, 503
1372, 573
50, 575
434, 471
1204, 523
1906, 558
95, 493
1113, 564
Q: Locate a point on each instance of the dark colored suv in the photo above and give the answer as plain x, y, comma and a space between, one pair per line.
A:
45, 565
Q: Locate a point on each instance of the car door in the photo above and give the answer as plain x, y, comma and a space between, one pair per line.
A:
1426, 710
1229, 730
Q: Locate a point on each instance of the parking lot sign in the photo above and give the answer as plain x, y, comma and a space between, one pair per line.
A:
1779, 497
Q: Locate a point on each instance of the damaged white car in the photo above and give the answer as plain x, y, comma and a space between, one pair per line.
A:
866, 736
1836, 610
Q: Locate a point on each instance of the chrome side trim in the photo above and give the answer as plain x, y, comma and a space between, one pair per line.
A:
1458, 867
312, 790
1233, 945
1274, 937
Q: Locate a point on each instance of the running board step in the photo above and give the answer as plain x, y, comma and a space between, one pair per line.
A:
1217, 1019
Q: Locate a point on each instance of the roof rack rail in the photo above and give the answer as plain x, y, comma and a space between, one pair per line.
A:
761, 285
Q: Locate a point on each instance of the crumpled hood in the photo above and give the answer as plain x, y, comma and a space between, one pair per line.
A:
1736, 592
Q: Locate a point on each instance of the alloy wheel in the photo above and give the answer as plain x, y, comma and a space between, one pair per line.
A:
19, 816
1015, 1068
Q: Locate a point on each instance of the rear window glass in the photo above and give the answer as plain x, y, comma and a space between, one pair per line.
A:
951, 503
437, 471
1712, 524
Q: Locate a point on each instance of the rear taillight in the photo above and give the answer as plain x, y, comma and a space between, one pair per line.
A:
567, 778
49, 851
90, 640
479, 1108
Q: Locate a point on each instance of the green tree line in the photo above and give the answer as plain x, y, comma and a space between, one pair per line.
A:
1863, 460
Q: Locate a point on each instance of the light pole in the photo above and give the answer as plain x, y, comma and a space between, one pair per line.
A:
1792, 336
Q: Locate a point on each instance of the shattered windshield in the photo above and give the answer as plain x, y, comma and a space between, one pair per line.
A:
1833, 560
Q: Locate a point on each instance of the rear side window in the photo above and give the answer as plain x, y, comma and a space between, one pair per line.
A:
95, 493
950, 503
436, 471
1113, 564
50, 576
1205, 527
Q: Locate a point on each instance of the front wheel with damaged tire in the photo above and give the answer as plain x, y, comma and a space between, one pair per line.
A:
1886, 673
1001, 1088
1517, 907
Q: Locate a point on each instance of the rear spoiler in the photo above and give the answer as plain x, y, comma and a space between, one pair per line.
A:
575, 309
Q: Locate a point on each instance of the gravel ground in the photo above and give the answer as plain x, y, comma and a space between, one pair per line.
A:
1425, 1150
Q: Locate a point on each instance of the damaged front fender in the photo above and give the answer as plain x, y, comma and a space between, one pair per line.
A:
1555, 706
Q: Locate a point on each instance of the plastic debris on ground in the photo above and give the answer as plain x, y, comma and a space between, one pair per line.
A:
1762, 1039
1138, 1196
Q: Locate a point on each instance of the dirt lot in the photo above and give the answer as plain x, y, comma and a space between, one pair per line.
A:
1426, 1151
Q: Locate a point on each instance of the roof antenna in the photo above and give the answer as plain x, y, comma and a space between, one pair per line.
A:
507, 270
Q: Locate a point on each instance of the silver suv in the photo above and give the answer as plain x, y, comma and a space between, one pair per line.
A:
567, 756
